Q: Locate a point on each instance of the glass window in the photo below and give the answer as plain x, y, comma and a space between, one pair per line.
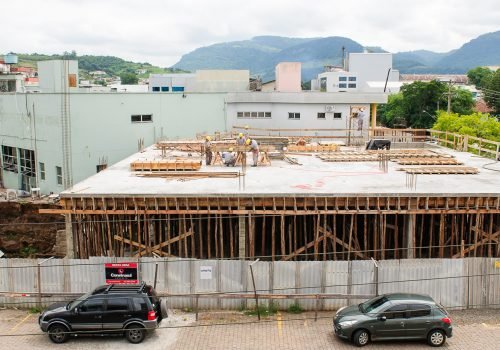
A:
261, 114
352, 78
396, 311
342, 85
247, 114
322, 84
342, 78
321, 115
141, 118
352, 86
42, 170
59, 175
254, 114
419, 310
147, 118
268, 115
27, 162
373, 304
337, 115
140, 304
240, 114
93, 305
156, 88
117, 304
177, 88
164, 88
9, 158
292, 115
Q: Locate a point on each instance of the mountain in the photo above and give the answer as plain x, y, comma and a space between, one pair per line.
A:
261, 54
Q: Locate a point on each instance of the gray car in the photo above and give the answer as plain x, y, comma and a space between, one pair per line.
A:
394, 316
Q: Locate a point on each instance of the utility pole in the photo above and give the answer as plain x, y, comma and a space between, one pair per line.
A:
449, 97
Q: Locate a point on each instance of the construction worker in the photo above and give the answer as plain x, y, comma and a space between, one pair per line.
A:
361, 119
240, 140
229, 158
254, 148
208, 150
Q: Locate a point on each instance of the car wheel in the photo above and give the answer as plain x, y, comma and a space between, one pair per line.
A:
361, 337
163, 308
135, 334
58, 333
436, 338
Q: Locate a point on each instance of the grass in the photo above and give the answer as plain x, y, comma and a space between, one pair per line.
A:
295, 309
35, 310
263, 310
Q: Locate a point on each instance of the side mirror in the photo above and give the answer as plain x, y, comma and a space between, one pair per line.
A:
382, 318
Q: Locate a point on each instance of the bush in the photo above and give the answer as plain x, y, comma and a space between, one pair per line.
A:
263, 310
295, 309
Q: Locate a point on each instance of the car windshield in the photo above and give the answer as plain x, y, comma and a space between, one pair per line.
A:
372, 304
72, 304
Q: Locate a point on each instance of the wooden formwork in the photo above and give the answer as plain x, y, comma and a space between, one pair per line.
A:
165, 165
441, 170
313, 148
284, 228
427, 161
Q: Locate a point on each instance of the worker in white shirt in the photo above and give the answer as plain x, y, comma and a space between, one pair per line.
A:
240, 140
229, 158
254, 148
208, 150
361, 119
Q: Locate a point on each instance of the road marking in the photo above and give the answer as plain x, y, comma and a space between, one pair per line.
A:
280, 323
19, 323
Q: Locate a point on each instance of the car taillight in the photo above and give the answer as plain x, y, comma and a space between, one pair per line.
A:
151, 316
446, 320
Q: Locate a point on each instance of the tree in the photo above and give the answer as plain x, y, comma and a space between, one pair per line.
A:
492, 92
475, 124
480, 76
417, 103
128, 78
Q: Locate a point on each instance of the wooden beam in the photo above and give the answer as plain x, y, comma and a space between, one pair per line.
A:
478, 244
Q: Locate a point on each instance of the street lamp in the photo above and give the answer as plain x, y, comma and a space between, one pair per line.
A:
432, 116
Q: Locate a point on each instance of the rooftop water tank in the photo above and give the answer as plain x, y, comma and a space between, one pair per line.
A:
10, 58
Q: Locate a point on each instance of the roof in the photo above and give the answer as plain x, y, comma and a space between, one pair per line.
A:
313, 177
408, 297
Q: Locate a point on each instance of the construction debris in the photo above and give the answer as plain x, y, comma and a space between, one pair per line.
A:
165, 165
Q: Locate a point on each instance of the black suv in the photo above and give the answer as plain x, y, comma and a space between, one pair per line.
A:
128, 309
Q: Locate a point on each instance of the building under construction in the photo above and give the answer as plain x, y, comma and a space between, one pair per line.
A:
303, 202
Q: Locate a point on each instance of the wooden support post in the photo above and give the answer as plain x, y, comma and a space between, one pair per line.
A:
282, 235
70, 234
209, 238
410, 235
242, 237
442, 222
231, 237
273, 238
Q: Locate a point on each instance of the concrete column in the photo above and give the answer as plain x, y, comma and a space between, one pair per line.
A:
70, 251
374, 116
410, 235
242, 229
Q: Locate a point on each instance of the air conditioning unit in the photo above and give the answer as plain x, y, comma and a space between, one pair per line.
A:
329, 108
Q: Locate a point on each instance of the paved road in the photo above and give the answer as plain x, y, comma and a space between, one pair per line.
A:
475, 330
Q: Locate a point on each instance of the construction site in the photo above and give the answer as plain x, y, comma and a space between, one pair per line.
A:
308, 199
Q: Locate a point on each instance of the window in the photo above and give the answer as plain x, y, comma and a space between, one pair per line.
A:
140, 304
164, 89
41, 166
253, 114
156, 88
177, 88
322, 84
27, 162
342, 78
419, 310
342, 85
397, 311
59, 175
101, 167
292, 115
93, 305
321, 115
141, 118
9, 158
118, 304
337, 115
352, 86
352, 78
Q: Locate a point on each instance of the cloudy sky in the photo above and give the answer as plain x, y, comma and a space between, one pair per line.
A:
161, 31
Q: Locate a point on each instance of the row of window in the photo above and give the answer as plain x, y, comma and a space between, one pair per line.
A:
347, 78
167, 88
253, 115
344, 86
115, 304
141, 118
27, 164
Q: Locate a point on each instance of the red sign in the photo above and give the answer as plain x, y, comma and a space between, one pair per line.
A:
121, 273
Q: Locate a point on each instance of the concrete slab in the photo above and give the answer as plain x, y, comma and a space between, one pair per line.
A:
313, 177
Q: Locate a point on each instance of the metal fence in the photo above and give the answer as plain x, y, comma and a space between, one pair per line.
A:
327, 285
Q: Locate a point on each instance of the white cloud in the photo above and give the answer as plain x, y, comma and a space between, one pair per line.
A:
160, 31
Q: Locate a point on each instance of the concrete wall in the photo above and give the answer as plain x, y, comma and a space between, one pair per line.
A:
222, 80
288, 77
370, 66
54, 75
101, 127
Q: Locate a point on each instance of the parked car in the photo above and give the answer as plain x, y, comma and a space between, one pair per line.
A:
394, 316
131, 310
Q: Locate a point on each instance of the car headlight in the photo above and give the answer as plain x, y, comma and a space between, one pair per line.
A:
345, 324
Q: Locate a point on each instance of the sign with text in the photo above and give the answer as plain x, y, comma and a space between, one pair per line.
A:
121, 273
205, 272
